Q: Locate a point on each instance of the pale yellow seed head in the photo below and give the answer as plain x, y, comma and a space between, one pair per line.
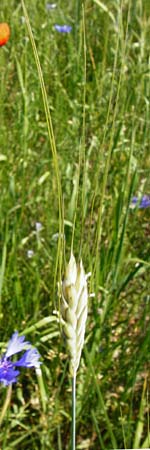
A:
74, 310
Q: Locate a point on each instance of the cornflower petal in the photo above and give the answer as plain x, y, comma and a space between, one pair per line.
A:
63, 28
134, 200
29, 359
8, 374
144, 202
16, 345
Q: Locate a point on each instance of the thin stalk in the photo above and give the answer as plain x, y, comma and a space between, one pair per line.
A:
73, 432
77, 24
51, 140
59, 438
101, 402
6, 404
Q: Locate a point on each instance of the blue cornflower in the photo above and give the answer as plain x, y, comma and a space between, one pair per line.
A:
8, 372
63, 28
143, 203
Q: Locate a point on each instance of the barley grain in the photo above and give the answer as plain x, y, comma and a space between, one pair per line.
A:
74, 305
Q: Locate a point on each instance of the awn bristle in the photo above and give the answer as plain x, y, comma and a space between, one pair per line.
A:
74, 310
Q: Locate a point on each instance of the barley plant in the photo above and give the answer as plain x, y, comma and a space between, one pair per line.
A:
75, 199
74, 306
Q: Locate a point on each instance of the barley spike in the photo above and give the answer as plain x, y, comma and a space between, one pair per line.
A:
74, 303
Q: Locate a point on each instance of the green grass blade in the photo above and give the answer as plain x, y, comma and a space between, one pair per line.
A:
51, 139
140, 423
101, 401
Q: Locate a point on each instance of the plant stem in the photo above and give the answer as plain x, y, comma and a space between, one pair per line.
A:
73, 432
6, 403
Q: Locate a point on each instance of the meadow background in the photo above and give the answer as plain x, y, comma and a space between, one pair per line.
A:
78, 183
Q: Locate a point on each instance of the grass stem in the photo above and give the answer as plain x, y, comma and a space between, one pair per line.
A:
6, 404
73, 433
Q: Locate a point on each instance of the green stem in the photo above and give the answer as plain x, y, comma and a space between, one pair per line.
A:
73, 433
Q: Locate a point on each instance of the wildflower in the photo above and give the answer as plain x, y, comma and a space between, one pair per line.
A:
63, 28
38, 226
8, 372
30, 253
4, 33
50, 6
144, 202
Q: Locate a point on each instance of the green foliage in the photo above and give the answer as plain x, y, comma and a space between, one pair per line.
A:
74, 149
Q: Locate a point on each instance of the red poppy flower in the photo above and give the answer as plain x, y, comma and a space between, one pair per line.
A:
4, 33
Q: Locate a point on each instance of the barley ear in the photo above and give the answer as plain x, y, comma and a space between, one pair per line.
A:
74, 304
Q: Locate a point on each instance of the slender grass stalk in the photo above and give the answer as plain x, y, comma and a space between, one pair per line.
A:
6, 404
59, 438
43, 395
23, 86
140, 422
106, 170
77, 23
83, 130
82, 158
73, 432
102, 446
3, 264
108, 159
51, 139
101, 402
123, 431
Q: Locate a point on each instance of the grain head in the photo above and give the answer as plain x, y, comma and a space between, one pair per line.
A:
74, 305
